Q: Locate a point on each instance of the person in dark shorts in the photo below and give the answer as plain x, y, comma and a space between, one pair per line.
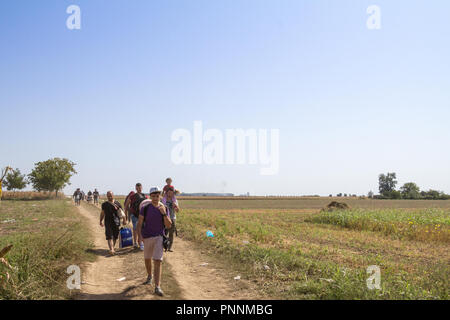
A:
96, 195
111, 214
77, 197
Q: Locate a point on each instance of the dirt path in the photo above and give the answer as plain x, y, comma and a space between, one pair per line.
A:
187, 272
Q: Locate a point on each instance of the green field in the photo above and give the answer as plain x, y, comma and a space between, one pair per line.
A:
293, 251
47, 237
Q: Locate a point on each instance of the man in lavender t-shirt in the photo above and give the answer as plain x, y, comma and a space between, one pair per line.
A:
152, 235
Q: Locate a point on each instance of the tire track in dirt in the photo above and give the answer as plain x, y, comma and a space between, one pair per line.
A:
192, 274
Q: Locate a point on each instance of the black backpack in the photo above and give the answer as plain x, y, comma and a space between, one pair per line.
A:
166, 241
137, 198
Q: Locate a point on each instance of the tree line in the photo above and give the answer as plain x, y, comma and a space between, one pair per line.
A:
387, 187
410, 190
51, 175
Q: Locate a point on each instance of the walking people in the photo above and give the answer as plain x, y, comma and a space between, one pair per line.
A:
171, 203
152, 220
111, 215
132, 210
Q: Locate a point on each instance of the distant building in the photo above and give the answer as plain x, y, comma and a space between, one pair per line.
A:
206, 194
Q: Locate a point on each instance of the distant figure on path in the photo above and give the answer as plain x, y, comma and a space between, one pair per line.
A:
77, 197
96, 195
152, 219
89, 196
111, 214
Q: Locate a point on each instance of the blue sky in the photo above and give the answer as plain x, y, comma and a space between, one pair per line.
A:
349, 102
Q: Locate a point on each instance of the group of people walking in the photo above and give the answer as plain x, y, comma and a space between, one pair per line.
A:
79, 195
153, 219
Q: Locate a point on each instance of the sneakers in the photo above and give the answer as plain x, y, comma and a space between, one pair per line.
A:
142, 247
149, 280
135, 246
159, 292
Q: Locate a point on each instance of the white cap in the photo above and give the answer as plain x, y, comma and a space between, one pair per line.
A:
155, 190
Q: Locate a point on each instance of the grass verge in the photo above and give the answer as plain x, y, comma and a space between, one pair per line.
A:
47, 236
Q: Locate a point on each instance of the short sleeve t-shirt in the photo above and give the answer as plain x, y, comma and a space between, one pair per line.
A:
110, 211
154, 225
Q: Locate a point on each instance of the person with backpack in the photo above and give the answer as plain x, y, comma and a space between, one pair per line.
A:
152, 224
111, 210
131, 205
77, 196
171, 203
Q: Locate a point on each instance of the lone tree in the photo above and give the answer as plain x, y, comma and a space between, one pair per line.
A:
52, 175
387, 183
410, 190
15, 180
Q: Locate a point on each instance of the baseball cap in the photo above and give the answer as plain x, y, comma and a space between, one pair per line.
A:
155, 190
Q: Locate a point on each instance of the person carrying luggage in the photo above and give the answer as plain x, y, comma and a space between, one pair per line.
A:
111, 213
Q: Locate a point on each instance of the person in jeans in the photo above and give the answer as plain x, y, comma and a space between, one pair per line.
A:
151, 231
131, 213
171, 203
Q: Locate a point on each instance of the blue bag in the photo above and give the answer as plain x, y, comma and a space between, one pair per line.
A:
125, 238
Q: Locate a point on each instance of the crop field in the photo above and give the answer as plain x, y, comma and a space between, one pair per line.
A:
294, 251
30, 195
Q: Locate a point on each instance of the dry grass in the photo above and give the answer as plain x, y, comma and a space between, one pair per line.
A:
30, 195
